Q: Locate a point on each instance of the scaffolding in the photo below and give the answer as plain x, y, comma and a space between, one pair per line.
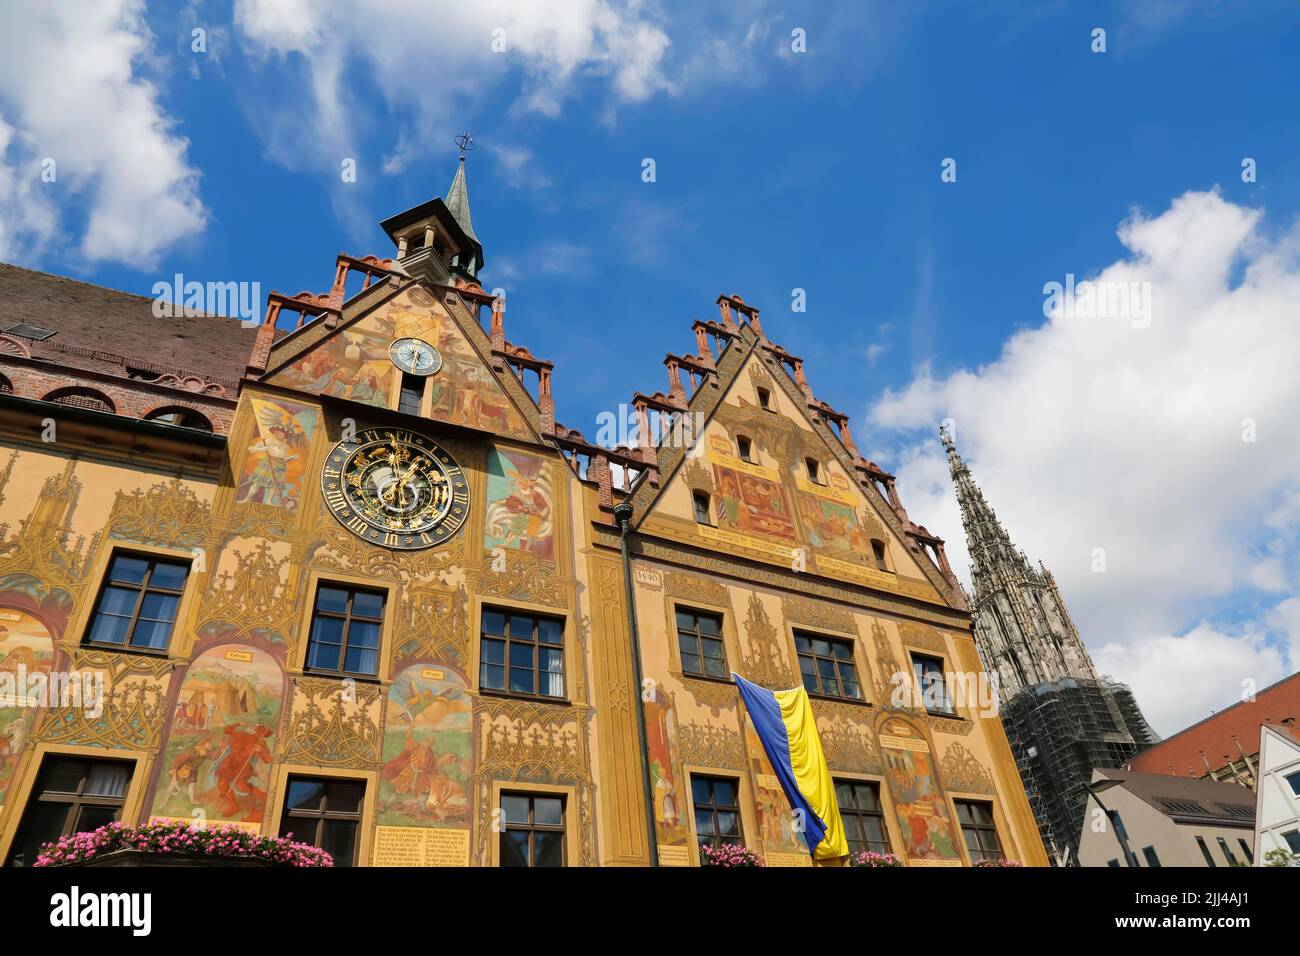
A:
1060, 733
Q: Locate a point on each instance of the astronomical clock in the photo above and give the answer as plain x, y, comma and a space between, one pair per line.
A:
396, 488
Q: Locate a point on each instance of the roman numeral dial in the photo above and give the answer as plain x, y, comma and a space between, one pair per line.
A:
395, 488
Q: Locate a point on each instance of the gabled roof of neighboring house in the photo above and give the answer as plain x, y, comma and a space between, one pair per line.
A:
104, 330
1184, 800
1213, 736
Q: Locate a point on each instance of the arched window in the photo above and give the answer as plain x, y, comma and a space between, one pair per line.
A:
181, 417
703, 514
86, 398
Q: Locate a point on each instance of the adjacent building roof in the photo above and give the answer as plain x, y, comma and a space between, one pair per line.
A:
1217, 736
1185, 800
105, 330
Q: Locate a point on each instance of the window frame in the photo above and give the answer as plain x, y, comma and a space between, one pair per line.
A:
320, 817
852, 660
313, 611
813, 468
979, 829
764, 396
143, 588
696, 496
74, 802
1205, 851
1152, 857
532, 828
1227, 851
713, 806
745, 449
856, 811
951, 709
507, 612
700, 637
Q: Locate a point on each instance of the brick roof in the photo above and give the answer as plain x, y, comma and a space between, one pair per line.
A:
1181, 753
102, 329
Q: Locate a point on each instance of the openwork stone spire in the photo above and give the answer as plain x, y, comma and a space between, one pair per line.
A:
1023, 629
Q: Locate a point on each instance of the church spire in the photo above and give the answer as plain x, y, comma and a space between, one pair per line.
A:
986, 540
458, 194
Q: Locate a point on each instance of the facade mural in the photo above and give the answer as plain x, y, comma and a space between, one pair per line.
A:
218, 754
782, 844
520, 504
831, 521
425, 780
912, 773
353, 364
751, 500
277, 457
25, 649
671, 794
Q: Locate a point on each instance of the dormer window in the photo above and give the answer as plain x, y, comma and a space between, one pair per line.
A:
745, 449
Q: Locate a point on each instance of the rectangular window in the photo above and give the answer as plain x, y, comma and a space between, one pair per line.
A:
345, 630
326, 813
934, 687
765, 399
533, 833
1292, 838
1112, 862
137, 602
717, 810
1150, 853
1205, 852
863, 816
72, 795
700, 501
979, 830
1245, 848
522, 653
412, 394
699, 638
826, 664
1294, 780
1227, 852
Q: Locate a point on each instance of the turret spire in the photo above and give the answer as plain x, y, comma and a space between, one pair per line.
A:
458, 194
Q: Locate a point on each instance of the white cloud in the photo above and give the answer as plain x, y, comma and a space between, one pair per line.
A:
431, 61
1091, 433
71, 90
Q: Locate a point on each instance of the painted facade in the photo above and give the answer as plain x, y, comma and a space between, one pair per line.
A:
214, 725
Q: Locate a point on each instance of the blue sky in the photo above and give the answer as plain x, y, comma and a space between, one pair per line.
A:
775, 170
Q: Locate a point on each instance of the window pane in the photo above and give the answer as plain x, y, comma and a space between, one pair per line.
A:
494, 622
521, 655
715, 667
691, 664
42, 823
843, 651
327, 630
493, 677
550, 631
332, 599
109, 629
810, 684
802, 643
521, 627
323, 657
363, 634
712, 648
700, 791
494, 652
362, 660
339, 840
728, 823
169, 575
344, 796
514, 808
704, 823
514, 848
129, 569
63, 776
305, 794
844, 795
118, 601
366, 604
549, 849
867, 796
821, 648
151, 634
159, 607
685, 621
521, 681
807, 665
548, 811
687, 643
724, 792
709, 625
92, 818
552, 661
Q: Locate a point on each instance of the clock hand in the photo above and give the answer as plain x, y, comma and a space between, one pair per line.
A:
400, 482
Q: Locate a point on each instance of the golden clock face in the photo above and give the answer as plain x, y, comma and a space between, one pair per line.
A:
395, 488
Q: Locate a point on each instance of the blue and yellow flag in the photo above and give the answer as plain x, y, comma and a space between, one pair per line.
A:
786, 728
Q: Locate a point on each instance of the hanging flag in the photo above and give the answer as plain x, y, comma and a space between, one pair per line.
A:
786, 728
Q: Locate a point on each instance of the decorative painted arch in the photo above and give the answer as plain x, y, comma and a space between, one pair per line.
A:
26, 648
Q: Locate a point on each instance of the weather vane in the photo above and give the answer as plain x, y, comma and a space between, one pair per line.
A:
465, 142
